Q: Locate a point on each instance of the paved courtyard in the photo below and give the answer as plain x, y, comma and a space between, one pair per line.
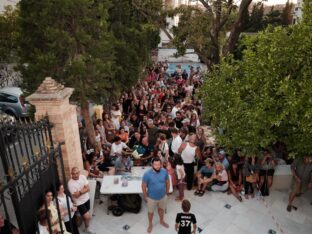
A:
251, 216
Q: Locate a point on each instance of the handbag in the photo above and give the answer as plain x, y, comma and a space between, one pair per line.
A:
252, 178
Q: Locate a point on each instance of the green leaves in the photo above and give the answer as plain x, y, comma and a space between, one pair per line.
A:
8, 35
68, 40
265, 97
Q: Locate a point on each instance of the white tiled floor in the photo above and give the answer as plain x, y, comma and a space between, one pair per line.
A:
251, 216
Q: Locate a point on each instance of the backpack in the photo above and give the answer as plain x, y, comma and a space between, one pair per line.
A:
130, 202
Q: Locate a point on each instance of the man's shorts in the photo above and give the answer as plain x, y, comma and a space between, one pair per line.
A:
151, 204
269, 172
84, 208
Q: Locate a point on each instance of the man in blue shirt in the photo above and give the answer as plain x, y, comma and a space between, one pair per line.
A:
204, 177
155, 187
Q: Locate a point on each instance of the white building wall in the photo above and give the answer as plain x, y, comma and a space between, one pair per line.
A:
297, 14
175, 20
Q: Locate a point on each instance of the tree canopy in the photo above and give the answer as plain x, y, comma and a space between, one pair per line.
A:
134, 39
205, 30
96, 47
265, 97
8, 35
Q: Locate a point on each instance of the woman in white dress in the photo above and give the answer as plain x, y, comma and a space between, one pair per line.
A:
116, 115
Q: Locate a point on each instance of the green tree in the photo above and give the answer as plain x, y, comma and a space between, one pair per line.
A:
154, 12
255, 23
286, 15
272, 18
8, 35
211, 24
134, 39
265, 97
69, 41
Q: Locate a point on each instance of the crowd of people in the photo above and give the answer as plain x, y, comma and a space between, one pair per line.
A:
161, 118
158, 123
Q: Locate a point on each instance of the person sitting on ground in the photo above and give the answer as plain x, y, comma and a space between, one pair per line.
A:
221, 177
204, 177
239, 157
124, 136
104, 162
117, 147
92, 167
222, 159
302, 172
135, 139
147, 151
206, 153
123, 163
235, 180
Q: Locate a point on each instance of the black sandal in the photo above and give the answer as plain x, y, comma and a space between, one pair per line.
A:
197, 192
201, 193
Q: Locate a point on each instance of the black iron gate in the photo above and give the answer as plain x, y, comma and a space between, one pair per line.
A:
30, 165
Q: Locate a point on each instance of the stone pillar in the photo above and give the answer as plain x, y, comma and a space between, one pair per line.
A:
52, 99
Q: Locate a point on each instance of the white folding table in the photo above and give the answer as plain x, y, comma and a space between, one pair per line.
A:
134, 179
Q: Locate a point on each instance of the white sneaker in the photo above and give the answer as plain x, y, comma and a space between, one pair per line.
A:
89, 231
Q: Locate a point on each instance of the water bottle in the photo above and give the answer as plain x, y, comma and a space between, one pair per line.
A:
243, 192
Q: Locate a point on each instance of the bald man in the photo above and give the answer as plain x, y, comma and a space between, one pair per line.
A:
79, 188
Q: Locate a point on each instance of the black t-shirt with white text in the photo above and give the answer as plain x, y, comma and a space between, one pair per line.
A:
185, 221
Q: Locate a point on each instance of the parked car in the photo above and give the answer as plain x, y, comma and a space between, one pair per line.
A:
12, 102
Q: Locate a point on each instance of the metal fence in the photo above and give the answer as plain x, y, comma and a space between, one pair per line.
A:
31, 164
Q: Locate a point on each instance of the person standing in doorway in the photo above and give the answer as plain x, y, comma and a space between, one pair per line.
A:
155, 187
